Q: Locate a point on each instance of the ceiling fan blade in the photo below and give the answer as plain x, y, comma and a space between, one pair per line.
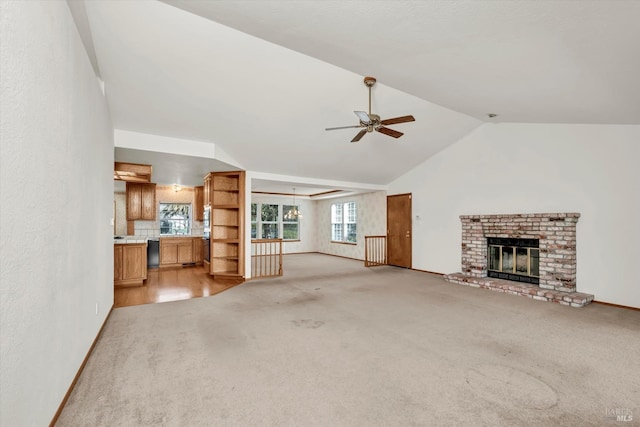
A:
397, 120
343, 127
390, 132
364, 117
359, 136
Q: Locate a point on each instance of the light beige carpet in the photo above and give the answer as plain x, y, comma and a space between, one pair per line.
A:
335, 344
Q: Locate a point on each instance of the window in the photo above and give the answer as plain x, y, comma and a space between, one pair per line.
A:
290, 226
175, 218
272, 223
343, 222
254, 220
269, 221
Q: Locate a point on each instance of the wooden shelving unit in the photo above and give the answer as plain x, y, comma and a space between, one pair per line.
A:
226, 197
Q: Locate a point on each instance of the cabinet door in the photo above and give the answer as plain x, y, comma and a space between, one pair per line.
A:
206, 196
198, 203
148, 197
134, 260
117, 262
185, 252
168, 252
134, 201
197, 250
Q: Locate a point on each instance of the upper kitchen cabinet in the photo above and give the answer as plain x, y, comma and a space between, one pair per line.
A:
198, 203
206, 196
141, 201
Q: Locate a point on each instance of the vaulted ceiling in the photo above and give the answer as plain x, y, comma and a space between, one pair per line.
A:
262, 79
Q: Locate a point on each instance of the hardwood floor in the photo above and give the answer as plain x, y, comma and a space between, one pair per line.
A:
172, 284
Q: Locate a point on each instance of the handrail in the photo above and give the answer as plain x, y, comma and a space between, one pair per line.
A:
266, 258
375, 251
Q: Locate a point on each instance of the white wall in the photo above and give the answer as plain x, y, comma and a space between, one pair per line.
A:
529, 168
56, 204
307, 241
371, 211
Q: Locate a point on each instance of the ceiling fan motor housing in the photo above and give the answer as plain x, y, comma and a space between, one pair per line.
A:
371, 122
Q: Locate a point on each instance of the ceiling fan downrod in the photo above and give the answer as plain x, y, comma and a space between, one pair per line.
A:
369, 82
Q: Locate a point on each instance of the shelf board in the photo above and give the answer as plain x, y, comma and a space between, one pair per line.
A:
226, 257
225, 225
221, 190
225, 240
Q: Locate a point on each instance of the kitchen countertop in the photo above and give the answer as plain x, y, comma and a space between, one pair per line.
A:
129, 240
123, 240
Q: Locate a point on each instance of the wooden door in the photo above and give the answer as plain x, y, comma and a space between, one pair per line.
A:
206, 196
148, 203
117, 262
399, 230
134, 259
134, 201
198, 247
198, 203
185, 251
168, 252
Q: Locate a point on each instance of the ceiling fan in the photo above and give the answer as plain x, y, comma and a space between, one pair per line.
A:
370, 122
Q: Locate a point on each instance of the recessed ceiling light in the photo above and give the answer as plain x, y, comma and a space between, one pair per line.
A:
492, 115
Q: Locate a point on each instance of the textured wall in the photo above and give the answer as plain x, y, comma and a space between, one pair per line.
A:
56, 192
530, 168
371, 211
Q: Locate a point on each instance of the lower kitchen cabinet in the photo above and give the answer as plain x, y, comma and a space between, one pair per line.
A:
129, 264
168, 252
177, 251
198, 250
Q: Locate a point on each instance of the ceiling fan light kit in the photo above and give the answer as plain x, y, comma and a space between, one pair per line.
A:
372, 122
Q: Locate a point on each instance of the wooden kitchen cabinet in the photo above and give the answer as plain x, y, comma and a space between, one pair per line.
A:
168, 252
129, 264
117, 263
198, 203
227, 224
185, 251
177, 251
198, 250
206, 189
141, 201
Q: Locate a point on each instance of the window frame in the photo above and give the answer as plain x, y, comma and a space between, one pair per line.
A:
188, 219
345, 220
284, 221
263, 222
280, 222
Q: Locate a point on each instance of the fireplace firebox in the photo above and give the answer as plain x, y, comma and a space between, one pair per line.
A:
514, 259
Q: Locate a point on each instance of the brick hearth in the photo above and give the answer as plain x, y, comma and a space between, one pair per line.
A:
556, 233
574, 299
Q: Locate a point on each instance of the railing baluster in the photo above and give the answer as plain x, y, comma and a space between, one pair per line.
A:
375, 250
266, 258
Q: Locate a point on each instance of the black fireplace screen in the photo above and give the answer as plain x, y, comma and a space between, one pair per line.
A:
514, 259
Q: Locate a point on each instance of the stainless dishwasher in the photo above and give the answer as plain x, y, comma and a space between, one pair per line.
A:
153, 253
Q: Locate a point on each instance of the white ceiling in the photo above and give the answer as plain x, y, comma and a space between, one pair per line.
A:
262, 79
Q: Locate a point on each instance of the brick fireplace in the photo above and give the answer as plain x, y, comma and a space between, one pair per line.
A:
556, 234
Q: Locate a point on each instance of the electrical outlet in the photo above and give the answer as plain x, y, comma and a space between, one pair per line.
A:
112, 221
96, 309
